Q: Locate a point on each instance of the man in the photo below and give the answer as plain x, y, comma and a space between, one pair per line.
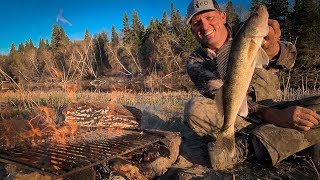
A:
273, 135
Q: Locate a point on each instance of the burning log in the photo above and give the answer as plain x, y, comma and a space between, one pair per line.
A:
66, 122
102, 115
80, 136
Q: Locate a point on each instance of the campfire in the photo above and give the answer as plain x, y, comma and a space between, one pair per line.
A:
104, 139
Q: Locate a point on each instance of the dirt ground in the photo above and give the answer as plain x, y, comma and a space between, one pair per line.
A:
193, 163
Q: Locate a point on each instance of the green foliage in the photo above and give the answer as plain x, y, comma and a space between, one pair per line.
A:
164, 26
157, 48
138, 30
21, 47
87, 36
305, 28
101, 57
189, 41
55, 37
175, 21
126, 31
278, 9
12, 49
115, 40
232, 17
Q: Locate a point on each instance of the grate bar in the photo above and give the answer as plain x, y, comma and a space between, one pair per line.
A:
59, 160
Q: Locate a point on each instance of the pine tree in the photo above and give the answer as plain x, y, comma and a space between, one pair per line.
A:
115, 40
65, 41
100, 55
137, 29
232, 16
306, 25
164, 23
127, 33
29, 45
42, 44
12, 49
47, 43
189, 41
45, 60
278, 10
87, 36
61, 48
148, 47
175, 21
55, 37
21, 47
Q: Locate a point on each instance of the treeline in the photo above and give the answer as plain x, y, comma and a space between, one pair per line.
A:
159, 48
135, 51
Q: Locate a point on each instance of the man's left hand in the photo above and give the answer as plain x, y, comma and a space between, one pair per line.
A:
294, 117
271, 41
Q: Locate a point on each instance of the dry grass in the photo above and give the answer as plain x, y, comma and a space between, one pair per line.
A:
308, 87
160, 109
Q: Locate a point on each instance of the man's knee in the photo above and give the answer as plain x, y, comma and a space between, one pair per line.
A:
202, 116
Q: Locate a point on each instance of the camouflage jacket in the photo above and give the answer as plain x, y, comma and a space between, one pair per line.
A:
202, 67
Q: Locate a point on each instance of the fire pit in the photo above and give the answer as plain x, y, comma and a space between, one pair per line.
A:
60, 160
60, 151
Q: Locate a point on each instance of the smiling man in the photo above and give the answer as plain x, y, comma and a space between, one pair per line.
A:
271, 135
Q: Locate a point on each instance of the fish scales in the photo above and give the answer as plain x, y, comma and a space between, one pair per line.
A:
241, 64
237, 74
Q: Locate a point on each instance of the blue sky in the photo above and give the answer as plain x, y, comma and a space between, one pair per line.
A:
22, 20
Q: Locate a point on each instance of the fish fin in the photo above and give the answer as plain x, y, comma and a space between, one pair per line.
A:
244, 111
261, 58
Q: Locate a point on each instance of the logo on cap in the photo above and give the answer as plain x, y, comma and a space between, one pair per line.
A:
202, 3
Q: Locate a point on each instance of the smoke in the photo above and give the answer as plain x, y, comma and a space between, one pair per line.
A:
61, 18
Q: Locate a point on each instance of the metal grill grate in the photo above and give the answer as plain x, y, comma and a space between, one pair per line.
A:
59, 160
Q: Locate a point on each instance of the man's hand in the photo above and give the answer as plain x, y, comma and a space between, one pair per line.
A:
271, 41
294, 117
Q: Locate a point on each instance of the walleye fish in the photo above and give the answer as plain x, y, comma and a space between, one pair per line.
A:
245, 55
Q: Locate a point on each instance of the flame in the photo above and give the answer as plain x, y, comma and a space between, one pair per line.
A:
39, 127
69, 129
71, 90
33, 133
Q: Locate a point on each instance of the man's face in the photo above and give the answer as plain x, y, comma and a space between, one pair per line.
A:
209, 29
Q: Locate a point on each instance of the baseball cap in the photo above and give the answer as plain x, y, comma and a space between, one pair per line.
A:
197, 6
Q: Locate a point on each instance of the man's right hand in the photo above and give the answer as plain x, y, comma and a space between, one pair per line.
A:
271, 41
294, 117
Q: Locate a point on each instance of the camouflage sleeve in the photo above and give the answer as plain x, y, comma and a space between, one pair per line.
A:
286, 57
255, 112
206, 79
